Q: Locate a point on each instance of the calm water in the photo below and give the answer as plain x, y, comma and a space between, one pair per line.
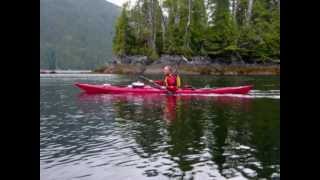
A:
157, 136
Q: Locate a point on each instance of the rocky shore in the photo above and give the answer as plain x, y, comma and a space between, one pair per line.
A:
194, 65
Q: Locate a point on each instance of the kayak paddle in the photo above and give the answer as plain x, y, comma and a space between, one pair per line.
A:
150, 81
157, 85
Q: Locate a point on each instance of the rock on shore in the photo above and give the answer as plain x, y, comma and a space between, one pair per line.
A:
194, 65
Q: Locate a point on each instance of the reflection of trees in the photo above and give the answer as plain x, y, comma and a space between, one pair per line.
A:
184, 129
236, 133
219, 135
236, 138
185, 135
248, 139
265, 128
141, 124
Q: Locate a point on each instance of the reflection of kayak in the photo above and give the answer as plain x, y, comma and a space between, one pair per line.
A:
109, 89
170, 106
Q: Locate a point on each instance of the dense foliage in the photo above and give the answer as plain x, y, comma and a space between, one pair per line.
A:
76, 34
239, 30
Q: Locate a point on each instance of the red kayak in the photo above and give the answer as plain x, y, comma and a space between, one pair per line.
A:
110, 89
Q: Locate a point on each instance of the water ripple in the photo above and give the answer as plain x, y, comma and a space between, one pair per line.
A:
155, 137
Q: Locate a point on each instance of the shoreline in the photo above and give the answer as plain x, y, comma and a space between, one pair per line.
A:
196, 65
213, 69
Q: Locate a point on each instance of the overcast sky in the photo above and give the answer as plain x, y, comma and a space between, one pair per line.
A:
120, 2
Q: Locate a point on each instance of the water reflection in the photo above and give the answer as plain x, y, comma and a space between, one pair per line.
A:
217, 131
170, 106
157, 136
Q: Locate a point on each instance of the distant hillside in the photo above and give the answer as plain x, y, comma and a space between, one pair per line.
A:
76, 34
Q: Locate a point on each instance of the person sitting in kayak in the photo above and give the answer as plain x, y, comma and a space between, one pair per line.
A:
171, 81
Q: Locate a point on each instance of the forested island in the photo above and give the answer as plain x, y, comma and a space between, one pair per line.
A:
239, 34
196, 36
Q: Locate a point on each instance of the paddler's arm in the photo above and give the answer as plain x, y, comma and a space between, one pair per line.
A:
160, 82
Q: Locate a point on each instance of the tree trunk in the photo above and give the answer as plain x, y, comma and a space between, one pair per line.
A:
189, 13
176, 14
250, 3
234, 7
187, 30
139, 19
154, 25
163, 23
151, 25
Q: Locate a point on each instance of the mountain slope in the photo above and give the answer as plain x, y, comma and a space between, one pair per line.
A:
77, 32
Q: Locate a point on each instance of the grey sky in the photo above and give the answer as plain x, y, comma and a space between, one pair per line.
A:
120, 2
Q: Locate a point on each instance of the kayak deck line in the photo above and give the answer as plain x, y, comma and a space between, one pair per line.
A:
112, 89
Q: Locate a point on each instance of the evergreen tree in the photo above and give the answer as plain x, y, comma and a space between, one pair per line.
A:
174, 38
260, 38
233, 29
124, 38
222, 30
198, 27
